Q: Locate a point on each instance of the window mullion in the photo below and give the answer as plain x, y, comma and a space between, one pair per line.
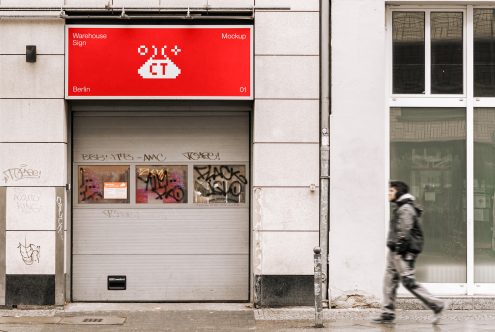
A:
469, 72
427, 54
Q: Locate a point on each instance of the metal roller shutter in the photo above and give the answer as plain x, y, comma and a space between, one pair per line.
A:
163, 199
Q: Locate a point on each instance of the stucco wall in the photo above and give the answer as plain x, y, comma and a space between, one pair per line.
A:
358, 146
33, 160
285, 155
285, 151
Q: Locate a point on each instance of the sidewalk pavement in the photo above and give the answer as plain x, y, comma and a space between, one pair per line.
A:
79, 317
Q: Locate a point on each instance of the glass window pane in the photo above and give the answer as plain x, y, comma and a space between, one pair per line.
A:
220, 184
484, 190
103, 184
446, 53
161, 184
428, 151
408, 52
484, 52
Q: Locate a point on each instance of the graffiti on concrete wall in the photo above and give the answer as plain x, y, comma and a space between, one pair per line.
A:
20, 173
31, 208
220, 184
161, 184
60, 217
30, 253
27, 202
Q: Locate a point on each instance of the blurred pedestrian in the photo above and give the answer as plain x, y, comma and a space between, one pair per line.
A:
405, 243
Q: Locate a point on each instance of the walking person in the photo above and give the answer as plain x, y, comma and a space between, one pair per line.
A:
405, 242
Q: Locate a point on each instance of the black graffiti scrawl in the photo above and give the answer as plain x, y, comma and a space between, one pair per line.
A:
161, 184
30, 253
220, 183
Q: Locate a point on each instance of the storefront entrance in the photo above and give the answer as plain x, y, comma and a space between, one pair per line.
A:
160, 206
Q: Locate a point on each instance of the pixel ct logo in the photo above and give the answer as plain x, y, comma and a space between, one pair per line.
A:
159, 68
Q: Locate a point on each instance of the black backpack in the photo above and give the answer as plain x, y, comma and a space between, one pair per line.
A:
417, 239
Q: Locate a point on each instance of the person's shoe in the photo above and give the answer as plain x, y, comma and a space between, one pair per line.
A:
384, 318
437, 314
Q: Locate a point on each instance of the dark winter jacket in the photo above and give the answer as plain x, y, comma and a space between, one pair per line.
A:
405, 233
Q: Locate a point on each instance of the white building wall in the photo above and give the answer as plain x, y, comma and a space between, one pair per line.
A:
32, 108
33, 120
33, 143
285, 138
285, 157
358, 147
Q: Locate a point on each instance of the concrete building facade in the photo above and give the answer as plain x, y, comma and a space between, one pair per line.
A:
412, 98
59, 247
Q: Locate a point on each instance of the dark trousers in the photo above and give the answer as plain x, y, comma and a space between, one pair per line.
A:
401, 269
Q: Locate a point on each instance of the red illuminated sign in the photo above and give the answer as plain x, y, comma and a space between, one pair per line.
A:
162, 62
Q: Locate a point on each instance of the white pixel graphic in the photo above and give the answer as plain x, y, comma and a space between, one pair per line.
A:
158, 68
176, 50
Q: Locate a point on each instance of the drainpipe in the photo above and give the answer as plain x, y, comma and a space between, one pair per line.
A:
324, 140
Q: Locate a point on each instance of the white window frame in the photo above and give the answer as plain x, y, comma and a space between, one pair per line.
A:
428, 94
476, 288
467, 101
478, 101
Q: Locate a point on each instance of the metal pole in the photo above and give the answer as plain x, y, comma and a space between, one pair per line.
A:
325, 140
318, 288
